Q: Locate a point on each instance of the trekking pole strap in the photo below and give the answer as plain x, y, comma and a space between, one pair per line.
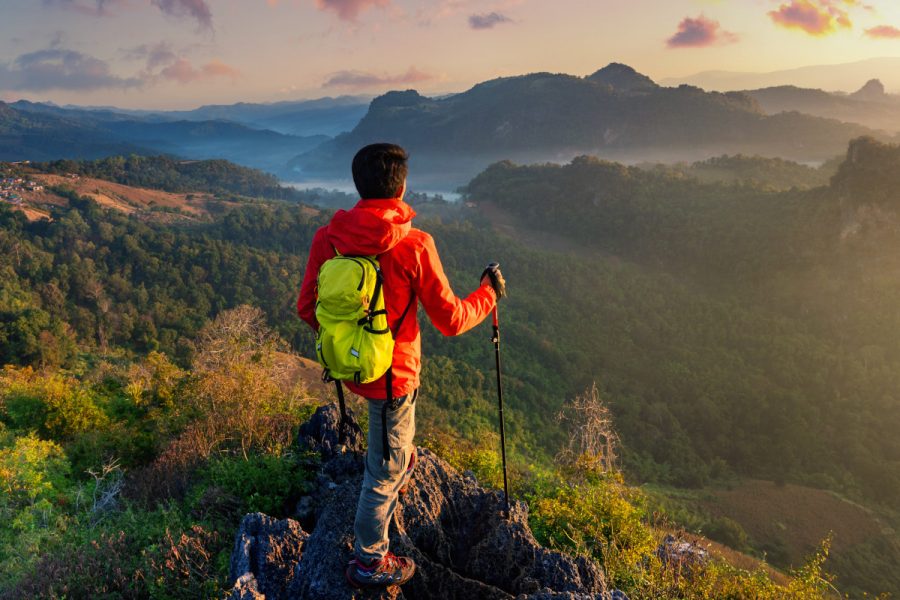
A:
342, 426
388, 402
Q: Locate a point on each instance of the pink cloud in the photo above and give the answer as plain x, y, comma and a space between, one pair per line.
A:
183, 71
700, 32
361, 80
884, 32
815, 17
348, 10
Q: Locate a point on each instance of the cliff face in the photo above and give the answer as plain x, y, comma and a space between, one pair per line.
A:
453, 528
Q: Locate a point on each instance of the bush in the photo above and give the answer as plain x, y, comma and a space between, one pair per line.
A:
601, 517
186, 566
58, 406
96, 570
264, 483
729, 532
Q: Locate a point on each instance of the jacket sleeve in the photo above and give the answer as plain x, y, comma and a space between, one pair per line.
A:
319, 252
450, 314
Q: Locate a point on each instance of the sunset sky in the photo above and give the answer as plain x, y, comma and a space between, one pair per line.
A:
184, 53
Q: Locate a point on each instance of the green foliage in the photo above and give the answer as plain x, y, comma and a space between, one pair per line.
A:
31, 471
264, 482
756, 171
601, 517
59, 407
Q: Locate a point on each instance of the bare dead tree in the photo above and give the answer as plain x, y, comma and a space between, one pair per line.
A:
108, 483
593, 442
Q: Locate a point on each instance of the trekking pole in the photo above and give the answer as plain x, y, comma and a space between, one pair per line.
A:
496, 340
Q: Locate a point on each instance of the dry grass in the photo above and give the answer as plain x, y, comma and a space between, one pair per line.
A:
797, 517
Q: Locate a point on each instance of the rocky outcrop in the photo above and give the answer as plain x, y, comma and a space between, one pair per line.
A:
266, 553
453, 528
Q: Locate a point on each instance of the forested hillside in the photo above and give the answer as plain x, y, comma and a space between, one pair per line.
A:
732, 330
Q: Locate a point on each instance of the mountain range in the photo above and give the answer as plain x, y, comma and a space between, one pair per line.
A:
615, 113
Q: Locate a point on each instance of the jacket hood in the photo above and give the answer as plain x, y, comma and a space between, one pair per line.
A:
370, 227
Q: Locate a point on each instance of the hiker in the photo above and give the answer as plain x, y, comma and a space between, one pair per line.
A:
380, 225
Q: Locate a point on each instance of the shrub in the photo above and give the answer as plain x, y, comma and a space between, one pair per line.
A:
97, 570
264, 483
729, 532
601, 517
31, 470
54, 404
186, 566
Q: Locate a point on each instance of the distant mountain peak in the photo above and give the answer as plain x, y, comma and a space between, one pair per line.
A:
873, 90
396, 99
622, 78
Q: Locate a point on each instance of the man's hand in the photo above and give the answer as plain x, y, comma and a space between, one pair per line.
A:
494, 277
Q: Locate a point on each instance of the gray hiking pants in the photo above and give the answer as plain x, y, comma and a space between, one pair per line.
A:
383, 479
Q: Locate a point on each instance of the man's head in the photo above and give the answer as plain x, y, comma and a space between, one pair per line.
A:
379, 171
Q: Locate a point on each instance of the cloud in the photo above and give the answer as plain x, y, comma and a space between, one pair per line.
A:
157, 55
88, 7
198, 10
348, 10
183, 71
699, 33
884, 32
361, 80
195, 9
488, 20
60, 69
815, 17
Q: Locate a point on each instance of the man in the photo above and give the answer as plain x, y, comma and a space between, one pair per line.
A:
380, 224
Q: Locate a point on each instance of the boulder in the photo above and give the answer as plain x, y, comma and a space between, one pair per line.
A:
266, 552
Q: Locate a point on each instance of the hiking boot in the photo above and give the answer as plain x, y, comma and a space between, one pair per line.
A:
408, 477
390, 570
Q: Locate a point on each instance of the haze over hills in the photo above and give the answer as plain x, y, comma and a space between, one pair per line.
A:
870, 105
45, 132
36, 136
828, 77
615, 113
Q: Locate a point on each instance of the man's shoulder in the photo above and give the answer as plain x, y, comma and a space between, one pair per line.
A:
417, 236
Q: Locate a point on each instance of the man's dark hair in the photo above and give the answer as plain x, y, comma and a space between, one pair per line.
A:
379, 171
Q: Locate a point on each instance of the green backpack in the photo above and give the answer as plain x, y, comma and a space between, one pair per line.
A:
354, 342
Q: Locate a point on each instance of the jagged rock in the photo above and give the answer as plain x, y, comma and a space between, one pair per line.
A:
322, 433
452, 528
246, 588
459, 524
265, 553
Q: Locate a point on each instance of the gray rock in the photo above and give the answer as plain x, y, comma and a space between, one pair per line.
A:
459, 524
265, 553
246, 588
681, 556
451, 527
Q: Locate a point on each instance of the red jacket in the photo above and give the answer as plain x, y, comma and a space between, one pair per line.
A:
412, 273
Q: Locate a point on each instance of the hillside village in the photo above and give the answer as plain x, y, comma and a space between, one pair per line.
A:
11, 188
